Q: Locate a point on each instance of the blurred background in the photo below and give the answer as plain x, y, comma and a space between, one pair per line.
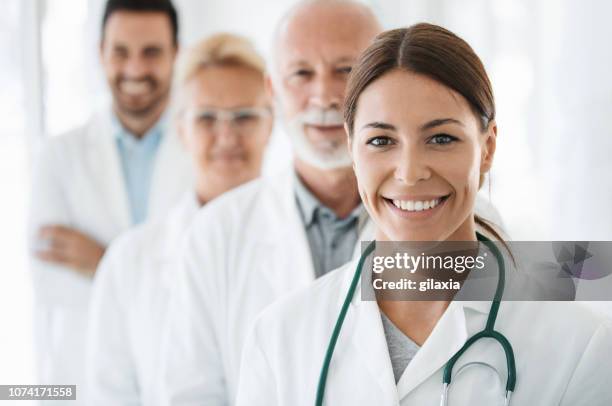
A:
549, 61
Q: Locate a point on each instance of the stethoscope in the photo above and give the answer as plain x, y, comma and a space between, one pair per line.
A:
488, 332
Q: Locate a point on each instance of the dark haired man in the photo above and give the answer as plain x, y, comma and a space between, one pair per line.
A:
97, 181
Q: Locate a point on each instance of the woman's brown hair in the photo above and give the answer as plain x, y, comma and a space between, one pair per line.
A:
432, 51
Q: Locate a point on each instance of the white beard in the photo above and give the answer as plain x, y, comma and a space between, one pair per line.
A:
324, 155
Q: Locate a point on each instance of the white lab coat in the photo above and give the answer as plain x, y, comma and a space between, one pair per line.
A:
78, 182
245, 250
128, 309
563, 354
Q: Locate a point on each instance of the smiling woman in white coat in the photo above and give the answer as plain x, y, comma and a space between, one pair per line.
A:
420, 117
224, 119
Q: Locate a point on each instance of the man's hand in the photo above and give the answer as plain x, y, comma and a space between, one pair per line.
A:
69, 247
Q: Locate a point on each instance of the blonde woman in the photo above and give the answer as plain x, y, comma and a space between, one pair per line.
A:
224, 118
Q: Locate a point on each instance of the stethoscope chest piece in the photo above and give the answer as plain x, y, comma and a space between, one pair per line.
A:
446, 386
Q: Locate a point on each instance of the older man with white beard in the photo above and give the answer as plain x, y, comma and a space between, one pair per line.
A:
254, 244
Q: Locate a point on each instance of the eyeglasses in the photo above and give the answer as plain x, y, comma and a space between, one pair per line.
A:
242, 120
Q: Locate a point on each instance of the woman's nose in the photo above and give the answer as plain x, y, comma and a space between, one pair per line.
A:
411, 166
226, 134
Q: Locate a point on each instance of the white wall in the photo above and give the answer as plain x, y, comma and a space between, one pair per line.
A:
16, 358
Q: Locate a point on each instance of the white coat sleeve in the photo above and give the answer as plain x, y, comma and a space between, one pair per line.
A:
591, 382
192, 366
111, 374
257, 383
47, 206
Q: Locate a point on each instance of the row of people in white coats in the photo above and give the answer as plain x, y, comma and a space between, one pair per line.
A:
181, 310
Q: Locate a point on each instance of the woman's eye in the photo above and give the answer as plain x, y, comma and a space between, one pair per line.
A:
380, 141
207, 118
245, 118
442, 139
345, 70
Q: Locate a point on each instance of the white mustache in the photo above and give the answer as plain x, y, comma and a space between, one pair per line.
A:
322, 117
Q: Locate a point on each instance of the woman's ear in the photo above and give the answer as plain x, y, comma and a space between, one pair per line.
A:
488, 148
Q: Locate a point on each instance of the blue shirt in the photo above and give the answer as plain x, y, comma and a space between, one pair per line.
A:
137, 163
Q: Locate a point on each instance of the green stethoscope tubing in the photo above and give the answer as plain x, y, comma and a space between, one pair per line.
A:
488, 332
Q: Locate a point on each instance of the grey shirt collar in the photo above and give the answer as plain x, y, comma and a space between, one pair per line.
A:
309, 204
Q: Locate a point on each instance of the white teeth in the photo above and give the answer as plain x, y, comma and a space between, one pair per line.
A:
134, 88
416, 205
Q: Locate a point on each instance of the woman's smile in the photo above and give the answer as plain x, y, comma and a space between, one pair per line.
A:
415, 207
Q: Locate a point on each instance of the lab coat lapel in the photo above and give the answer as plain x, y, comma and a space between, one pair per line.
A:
283, 237
366, 235
176, 226
106, 169
288, 231
370, 343
447, 337
363, 331
169, 240
284, 232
